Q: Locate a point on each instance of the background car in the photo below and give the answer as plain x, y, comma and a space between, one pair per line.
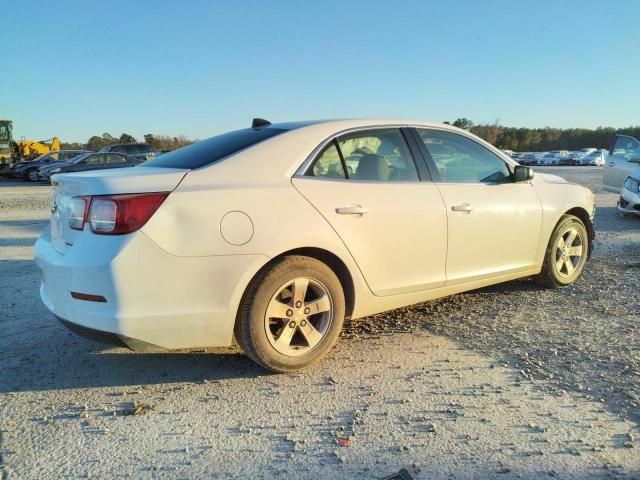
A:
89, 161
527, 159
561, 153
622, 161
578, 154
141, 151
595, 158
539, 156
550, 159
266, 236
29, 169
629, 202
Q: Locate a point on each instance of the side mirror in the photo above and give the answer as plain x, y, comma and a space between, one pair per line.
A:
522, 173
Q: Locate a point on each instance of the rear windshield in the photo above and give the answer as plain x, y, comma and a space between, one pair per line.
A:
212, 149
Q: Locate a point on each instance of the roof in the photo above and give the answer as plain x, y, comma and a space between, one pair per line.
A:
341, 124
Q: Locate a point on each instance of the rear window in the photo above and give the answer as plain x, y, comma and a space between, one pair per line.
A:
212, 149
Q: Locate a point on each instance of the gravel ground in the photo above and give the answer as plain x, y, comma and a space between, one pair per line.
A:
510, 381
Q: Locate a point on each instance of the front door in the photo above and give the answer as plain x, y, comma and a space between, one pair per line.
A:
494, 223
623, 159
394, 224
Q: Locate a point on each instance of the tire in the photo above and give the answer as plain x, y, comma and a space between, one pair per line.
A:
32, 175
562, 265
270, 309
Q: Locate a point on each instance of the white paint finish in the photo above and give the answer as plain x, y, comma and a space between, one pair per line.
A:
497, 232
400, 243
178, 283
169, 301
236, 228
103, 182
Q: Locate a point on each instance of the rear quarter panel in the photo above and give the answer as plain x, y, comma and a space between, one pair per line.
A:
188, 224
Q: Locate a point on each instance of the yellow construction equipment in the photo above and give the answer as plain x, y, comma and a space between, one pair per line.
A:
32, 149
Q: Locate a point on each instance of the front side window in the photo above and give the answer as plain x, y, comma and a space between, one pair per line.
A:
461, 160
375, 155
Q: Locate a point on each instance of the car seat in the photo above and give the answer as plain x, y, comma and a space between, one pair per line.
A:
372, 167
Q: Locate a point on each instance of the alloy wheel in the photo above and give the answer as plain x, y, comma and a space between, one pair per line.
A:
569, 252
298, 316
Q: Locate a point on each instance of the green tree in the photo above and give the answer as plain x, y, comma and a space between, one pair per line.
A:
126, 138
464, 123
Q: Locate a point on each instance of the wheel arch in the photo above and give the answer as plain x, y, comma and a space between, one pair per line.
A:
335, 263
585, 217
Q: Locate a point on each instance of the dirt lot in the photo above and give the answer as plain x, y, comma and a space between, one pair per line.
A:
511, 381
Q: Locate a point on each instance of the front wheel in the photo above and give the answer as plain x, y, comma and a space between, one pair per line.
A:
566, 253
291, 315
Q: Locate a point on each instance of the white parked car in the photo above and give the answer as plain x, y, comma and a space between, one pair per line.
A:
549, 159
595, 158
539, 156
266, 235
578, 154
623, 160
561, 154
629, 203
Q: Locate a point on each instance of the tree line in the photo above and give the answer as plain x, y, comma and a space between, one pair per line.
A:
544, 139
156, 142
505, 138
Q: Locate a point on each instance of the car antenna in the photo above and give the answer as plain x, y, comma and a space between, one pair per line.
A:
260, 122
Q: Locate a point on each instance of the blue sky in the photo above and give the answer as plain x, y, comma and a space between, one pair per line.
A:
197, 68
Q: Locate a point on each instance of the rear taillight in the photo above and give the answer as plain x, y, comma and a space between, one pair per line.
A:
78, 212
116, 214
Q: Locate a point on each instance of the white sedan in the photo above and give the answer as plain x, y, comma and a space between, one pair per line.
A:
275, 234
595, 158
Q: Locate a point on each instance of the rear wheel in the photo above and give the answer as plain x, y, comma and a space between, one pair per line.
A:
291, 315
32, 175
566, 253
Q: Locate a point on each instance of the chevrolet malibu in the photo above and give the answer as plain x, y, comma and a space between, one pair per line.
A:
275, 234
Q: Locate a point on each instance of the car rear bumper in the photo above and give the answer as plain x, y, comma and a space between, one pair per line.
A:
151, 298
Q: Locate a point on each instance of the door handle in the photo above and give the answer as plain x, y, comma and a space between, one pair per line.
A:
352, 210
462, 207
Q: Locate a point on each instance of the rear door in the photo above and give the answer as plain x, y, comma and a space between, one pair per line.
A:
389, 214
623, 159
494, 224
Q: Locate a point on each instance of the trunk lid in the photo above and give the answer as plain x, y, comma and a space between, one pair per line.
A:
103, 182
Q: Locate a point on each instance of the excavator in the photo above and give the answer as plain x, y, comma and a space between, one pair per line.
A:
29, 149
13, 151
